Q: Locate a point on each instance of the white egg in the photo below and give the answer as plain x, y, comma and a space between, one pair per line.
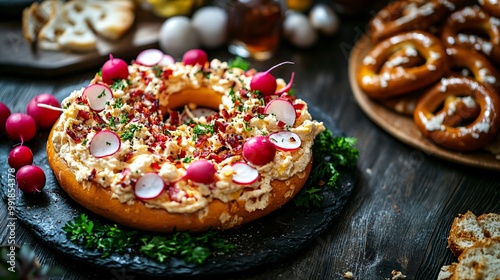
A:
177, 35
298, 30
324, 19
210, 23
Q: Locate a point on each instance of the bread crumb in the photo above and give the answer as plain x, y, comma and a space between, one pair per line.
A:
348, 275
397, 275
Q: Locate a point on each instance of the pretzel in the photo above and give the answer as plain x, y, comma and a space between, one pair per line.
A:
457, 28
474, 64
398, 80
400, 16
460, 134
492, 7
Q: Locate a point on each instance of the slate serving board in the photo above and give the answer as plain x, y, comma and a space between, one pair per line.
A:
268, 240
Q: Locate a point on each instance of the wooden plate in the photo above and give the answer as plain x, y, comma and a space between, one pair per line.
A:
402, 127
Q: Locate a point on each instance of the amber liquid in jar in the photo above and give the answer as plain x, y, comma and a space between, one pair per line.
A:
254, 27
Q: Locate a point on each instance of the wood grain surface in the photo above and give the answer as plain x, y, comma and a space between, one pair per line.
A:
402, 206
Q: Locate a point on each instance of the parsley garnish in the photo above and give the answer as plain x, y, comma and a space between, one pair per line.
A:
158, 70
118, 85
108, 239
239, 62
201, 129
187, 159
102, 94
124, 117
128, 134
118, 103
330, 154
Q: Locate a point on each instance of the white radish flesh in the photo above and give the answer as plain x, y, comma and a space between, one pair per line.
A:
166, 60
285, 140
97, 95
104, 143
244, 174
282, 109
149, 57
149, 186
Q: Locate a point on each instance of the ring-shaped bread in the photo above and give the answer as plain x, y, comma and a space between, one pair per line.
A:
466, 28
154, 141
474, 64
407, 15
399, 80
475, 134
492, 7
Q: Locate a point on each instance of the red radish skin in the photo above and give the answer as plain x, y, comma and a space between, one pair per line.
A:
149, 186
44, 118
201, 171
20, 127
265, 82
244, 174
20, 156
259, 150
4, 114
285, 140
104, 143
30, 179
287, 88
114, 69
195, 56
283, 109
97, 95
149, 57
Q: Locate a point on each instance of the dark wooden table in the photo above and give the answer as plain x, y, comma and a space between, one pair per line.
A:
400, 211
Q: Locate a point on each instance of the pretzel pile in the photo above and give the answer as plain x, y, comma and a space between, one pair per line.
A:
436, 61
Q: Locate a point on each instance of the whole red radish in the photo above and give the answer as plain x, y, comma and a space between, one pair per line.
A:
265, 82
195, 56
259, 150
114, 69
44, 117
30, 179
19, 157
4, 114
20, 127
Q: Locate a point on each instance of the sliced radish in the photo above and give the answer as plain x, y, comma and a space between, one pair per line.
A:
188, 115
282, 109
149, 186
104, 143
97, 95
285, 140
149, 57
166, 60
244, 174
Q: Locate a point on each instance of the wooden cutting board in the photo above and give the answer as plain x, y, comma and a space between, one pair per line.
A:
18, 57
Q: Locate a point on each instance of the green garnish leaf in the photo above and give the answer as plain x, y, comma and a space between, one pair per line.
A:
330, 154
108, 239
239, 62
201, 129
119, 84
129, 132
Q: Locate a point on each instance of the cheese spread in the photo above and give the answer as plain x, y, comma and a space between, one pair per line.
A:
157, 141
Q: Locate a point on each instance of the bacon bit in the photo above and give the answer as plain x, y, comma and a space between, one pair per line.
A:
155, 166
73, 136
174, 118
261, 110
97, 118
221, 139
92, 175
219, 126
267, 98
225, 114
281, 124
216, 157
182, 154
124, 174
136, 93
171, 158
128, 156
299, 106
247, 117
166, 73
108, 115
202, 139
292, 139
84, 114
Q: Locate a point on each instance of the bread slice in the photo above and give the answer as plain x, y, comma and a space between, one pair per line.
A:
447, 271
481, 261
490, 223
465, 231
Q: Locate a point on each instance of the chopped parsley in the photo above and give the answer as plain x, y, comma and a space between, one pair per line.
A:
202, 129
108, 239
124, 118
118, 103
187, 159
330, 154
158, 70
119, 84
102, 94
128, 134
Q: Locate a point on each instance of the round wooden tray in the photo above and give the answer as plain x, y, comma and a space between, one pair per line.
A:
402, 127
